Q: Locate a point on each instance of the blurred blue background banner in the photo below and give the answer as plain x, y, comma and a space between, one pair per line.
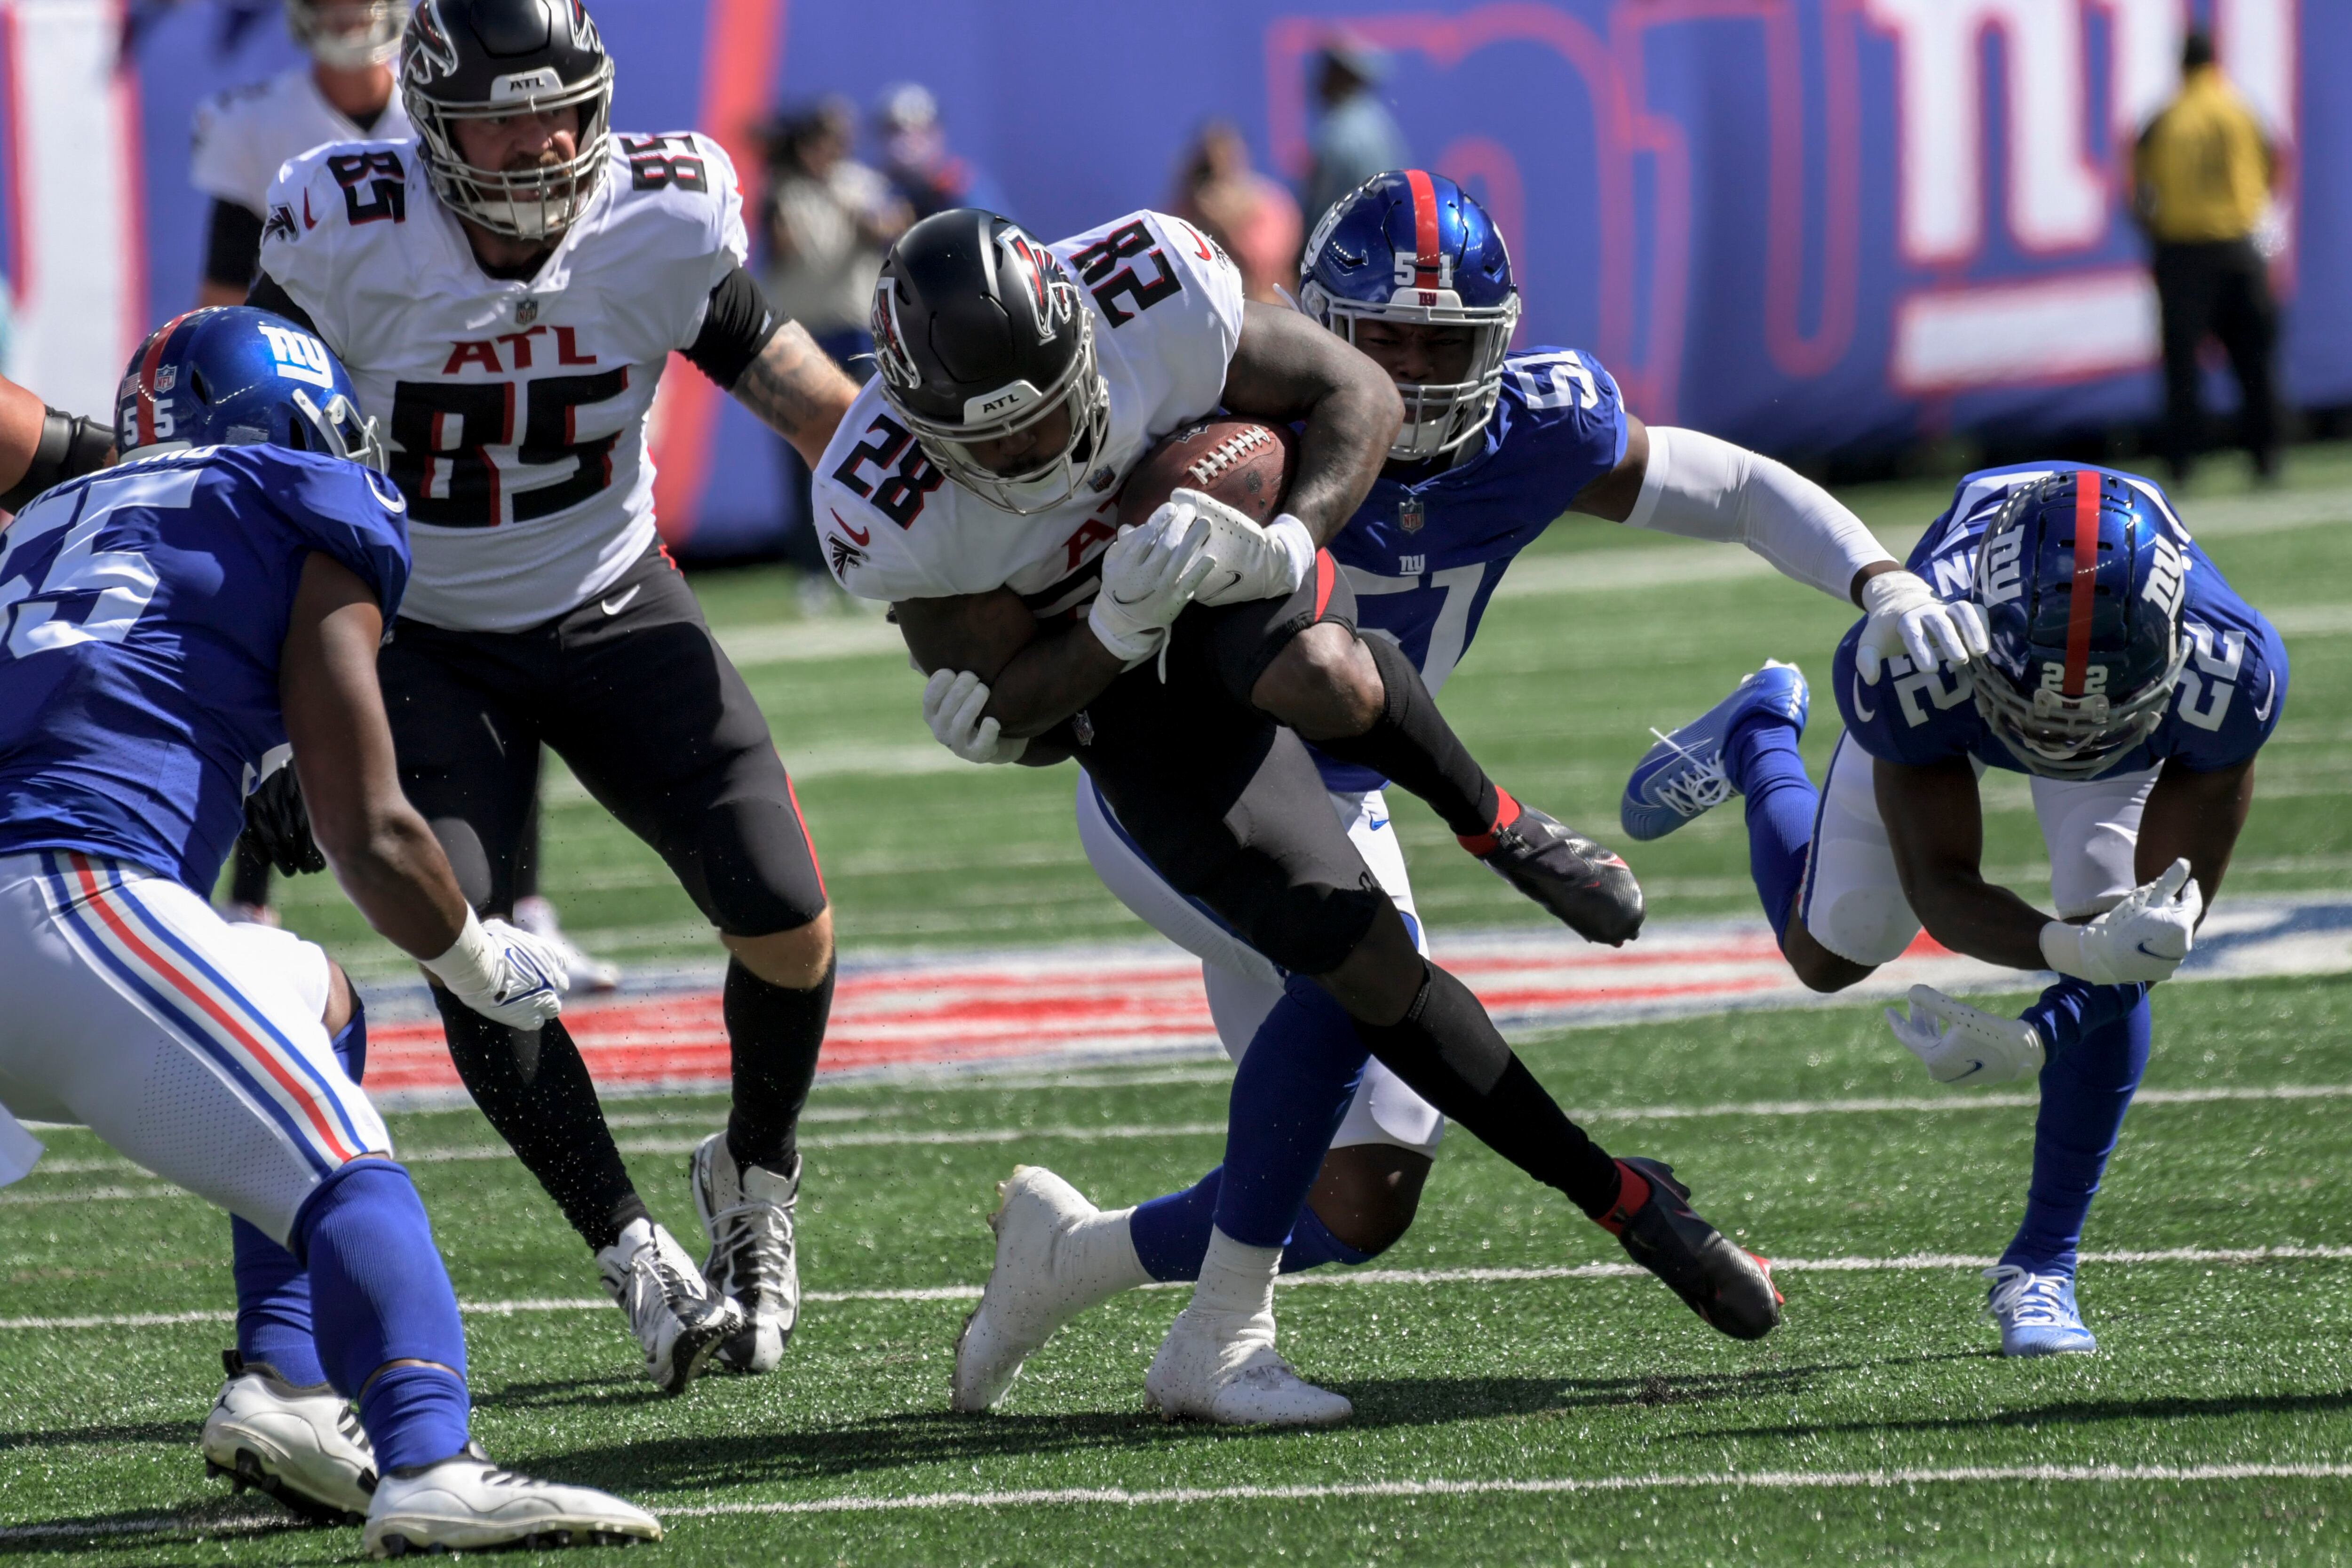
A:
1812, 226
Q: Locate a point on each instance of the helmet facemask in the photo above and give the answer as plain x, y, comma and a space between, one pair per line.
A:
1439, 417
1007, 411
338, 430
375, 44
536, 204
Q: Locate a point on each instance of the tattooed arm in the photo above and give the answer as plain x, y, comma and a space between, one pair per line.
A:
1286, 368
797, 391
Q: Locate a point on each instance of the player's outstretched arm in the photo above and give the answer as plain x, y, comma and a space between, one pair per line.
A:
1689, 483
41, 447
2194, 817
796, 390
1936, 823
1286, 368
378, 847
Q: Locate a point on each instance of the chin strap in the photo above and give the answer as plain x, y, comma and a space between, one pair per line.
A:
69, 446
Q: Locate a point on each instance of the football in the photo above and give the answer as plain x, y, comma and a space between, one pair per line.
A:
1239, 461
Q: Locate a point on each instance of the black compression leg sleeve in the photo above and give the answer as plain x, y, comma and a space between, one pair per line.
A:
537, 1093
1450, 1052
1411, 743
250, 882
773, 1034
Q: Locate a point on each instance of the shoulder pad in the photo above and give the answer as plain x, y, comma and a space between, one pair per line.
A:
683, 162
347, 183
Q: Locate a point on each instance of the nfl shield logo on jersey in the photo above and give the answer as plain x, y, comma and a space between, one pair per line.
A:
1410, 514
526, 312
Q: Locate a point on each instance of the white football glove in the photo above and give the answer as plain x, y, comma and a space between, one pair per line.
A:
1255, 560
503, 972
1148, 575
2142, 939
1964, 1045
1906, 620
951, 706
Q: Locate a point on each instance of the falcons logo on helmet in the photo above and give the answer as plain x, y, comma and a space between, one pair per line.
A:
899, 366
432, 55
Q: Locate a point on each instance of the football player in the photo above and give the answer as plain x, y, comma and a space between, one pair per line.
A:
1495, 444
976, 484
506, 291
2133, 689
242, 138
174, 624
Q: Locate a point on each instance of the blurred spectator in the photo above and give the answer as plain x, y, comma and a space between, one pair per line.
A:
2202, 177
915, 156
829, 219
1250, 216
1357, 137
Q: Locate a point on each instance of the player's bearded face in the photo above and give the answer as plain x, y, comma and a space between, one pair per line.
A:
517, 143
1419, 355
1025, 448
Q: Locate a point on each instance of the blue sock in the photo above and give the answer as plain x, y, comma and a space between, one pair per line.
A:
1764, 765
2074, 1008
2085, 1089
273, 1290
1289, 1093
1171, 1235
381, 1295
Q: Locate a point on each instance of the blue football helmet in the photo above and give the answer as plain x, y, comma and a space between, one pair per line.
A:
2081, 588
1412, 248
235, 376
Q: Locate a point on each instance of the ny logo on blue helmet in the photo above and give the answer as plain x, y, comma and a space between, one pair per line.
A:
2082, 587
235, 376
1413, 249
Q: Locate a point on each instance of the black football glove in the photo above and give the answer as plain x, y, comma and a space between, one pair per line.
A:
278, 824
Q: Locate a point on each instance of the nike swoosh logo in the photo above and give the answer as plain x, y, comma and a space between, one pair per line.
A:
308, 221
1974, 1068
1860, 713
855, 537
2160, 957
2269, 695
1375, 827
1222, 587
615, 607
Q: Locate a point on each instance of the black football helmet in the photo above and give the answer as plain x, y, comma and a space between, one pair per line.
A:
348, 34
980, 333
479, 59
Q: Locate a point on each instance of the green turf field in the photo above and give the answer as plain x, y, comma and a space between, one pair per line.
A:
1875, 1425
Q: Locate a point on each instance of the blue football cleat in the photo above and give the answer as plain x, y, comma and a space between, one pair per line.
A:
2036, 1313
1683, 775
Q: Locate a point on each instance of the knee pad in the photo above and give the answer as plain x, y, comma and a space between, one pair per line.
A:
1245, 638
1311, 930
1864, 925
759, 872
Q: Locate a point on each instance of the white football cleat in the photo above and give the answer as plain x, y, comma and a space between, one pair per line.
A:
1223, 1367
537, 915
747, 1214
670, 1306
1056, 1255
468, 1504
302, 1446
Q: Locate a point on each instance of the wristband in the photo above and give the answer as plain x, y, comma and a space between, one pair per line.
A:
2062, 949
1296, 543
69, 449
466, 968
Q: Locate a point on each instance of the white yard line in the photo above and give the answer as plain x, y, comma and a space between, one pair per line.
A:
1896, 1105
1911, 1263
1729, 1480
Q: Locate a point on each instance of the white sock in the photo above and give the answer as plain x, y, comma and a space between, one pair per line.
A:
1235, 1278
1098, 1256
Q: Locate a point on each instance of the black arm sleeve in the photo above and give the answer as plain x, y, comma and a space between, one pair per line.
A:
233, 245
68, 448
737, 326
265, 294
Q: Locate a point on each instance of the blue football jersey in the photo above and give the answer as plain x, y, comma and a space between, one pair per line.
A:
2231, 689
145, 607
1424, 555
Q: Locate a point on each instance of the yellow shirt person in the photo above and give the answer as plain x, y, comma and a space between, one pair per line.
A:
2203, 169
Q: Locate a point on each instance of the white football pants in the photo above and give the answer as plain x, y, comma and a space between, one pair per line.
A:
189, 1045
1243, 983
1853, 901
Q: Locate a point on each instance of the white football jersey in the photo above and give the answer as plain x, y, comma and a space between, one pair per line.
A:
1167, 305
244, 136
515, 409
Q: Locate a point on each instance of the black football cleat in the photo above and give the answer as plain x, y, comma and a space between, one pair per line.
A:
1589, 887
1652, 1220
